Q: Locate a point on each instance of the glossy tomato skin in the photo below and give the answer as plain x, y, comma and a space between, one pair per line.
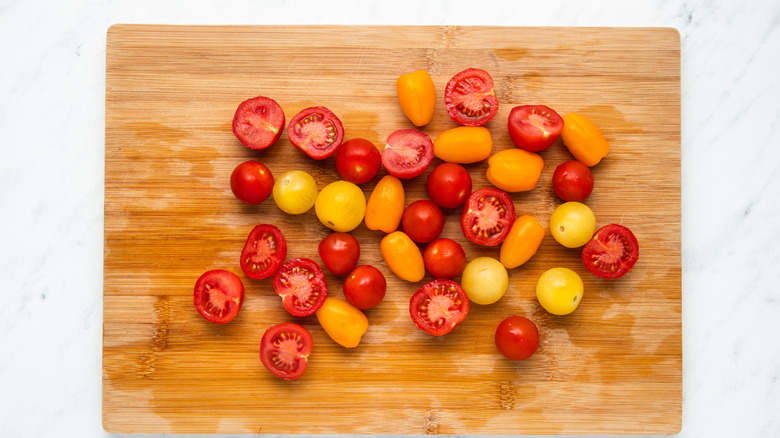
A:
316, 131
485, 280
407, 153
258, 122
464, 144
343, 322
517, 338
365, 287
559, 290
339, 252
301, 284
584, 139
385, 205
444, 258
341, 206
264, 251
295, 192
488, 216
285, 350
251, 182
470, 97
515, 170
572, 224
402, 256
449, 185
522, 242
218, 296
612, 252
417, 96
439, 306
573, 181
358, 161
422, 221
534, 127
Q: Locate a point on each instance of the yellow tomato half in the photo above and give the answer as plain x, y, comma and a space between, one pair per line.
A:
464, 144
386, 205
417, 96
522, 242
515, 170
343, 322
402, 256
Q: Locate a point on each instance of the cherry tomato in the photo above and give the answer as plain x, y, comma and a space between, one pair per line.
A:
572, 224
316, 132
464, 144
264, 251
365, 287
573, 181
534, 127
517, 338
341, 206
584, 139
515, 170
402, 256
251, 182
488, 216
301, 284
417, 96
612, 252
385, 206
258, 122
218, 296
522, 242
485, 280
285, 350
559, 290
444, 258
439, 306
358, 161
449, 185
408, 153
422, 221
470, 97
343, 322
295, 192
339, 252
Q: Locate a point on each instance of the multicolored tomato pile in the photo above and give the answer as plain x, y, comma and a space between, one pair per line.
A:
412, 244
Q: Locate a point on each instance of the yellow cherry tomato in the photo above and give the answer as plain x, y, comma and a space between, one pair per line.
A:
559, 290
485, 280
515, 170
522, 242
341, 206
386, 205
464, 144
584, 139
572, 224
402, 256
417, 96
295, 192
343, 322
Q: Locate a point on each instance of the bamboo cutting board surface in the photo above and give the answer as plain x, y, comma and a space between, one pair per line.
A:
612, 366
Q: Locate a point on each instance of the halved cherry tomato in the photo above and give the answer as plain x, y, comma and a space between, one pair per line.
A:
258, 122
285, 350
464, 144
584, 139
534, 127
218, 296
407, 153
264, 251
301, 284
251, 182
365, 287
470, 97
385, 206
444, 258
488, 216
449, 185
358, 161
339, 252
422, 221
402, 256
417, 96
340, 206
573, 181
612, 252
522, 242
316, 131
515, 170
343, 322
517, 338
439, 306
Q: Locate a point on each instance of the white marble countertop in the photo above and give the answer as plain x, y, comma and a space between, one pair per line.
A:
52, 89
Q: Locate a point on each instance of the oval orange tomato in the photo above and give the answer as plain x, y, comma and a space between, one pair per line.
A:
584, 139
343, 322
402, 256
522, 242
417, 96
464, 144
385, 205
515, 170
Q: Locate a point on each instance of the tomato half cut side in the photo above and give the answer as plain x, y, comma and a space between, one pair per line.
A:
316, 132
285, 350
534, 127
488, 216
439, 306
470, 97
301, 284
218, 295
264, 251
407, 153
612, 252
258, 122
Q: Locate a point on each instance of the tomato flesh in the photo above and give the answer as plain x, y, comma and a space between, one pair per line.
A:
612, 252
488, 216
534, 127
264, 251
258, 122
218, 296
301, 284
439, 306
407, 153
316, 131
470, 97
285, 350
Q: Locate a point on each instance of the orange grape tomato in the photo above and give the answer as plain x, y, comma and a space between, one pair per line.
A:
385, 205
522, 242
584, 139
417, 96
463, 145
402, 256
343, 322
515, 170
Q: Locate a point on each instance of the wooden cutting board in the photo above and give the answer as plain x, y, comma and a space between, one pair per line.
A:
613, 366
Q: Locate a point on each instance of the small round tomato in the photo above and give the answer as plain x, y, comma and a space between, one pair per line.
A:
572, 224
464, 144
559, 290
251, 182
285, 350
339, 252
485, 280
517, 338
444, 258
470, 97
402, 256
573, 181
295, 192
417, 96
258, 122
341, 206
515, 170
358, 161
439, 306
385, 206
488, 216
408, 153
422, 221
365, 287
316, 132
534, 127
449, 185
612, 252
218, 296
584, 139
301, 284
522, 242
343, 322
264, 251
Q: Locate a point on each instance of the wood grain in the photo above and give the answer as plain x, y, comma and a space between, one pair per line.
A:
613, 366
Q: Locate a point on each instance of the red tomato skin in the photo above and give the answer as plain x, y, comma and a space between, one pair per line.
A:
358, 161
251, 182
573, 181
402, 143
323, 146
449, 185
308, 269
422, 221
505, 212
365, 287
339, 252
439, 287
517, 338
233, 291
301, 352
534, 127
266, 248
444, 258
258, 122
612, 252
471, 85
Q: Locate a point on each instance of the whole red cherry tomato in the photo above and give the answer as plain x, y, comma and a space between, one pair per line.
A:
517, 338
470, 97
251, 182
316, 131
285, 350
449, 185
422, 221
365, 287
358, 161
218, 295
444, 258
534, 127
573, 181
258, 122
339, 252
